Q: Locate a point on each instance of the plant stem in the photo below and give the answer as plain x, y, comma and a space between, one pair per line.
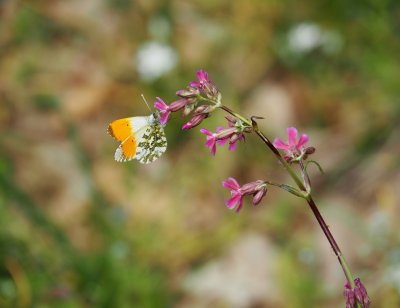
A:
243, 119
302, 186
306, 178
331, 240
311, 203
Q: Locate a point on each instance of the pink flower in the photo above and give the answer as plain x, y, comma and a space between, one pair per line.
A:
204, 87
211, 140
258, 189
202, 76
293, 149
221, 137
233, 139
164, 109
173, 107
232, 135
202, 92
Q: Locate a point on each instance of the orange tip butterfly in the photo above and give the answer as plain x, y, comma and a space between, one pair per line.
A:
141, 138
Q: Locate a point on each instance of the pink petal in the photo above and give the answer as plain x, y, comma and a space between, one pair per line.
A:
279, 144
239, 207
259, 196
206, 132
160, 105
302, 141
164, 118
219, 128
292, 136
235, 200
222, 142
195, 84
213, 149
228, 185
234, 182
210, 143
202, 75
187, 126
178, 105
232, 146
231, 183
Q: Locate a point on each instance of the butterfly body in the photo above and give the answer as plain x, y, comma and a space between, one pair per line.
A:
141, 138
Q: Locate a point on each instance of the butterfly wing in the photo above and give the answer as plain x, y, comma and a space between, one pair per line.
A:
123, 128
128, 131
152, 144
126, 150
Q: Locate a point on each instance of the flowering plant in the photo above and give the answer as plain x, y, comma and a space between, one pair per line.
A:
199, 100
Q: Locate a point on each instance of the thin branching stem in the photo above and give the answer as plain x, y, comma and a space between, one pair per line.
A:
303, 186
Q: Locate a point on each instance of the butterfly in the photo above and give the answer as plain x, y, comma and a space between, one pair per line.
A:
141, 138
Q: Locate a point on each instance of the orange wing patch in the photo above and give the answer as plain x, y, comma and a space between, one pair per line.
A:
120, 130
129, 148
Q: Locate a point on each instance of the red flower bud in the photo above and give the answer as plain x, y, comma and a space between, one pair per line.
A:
196, 120
259, 195
310, 150
189, 93
361, 293
179, 104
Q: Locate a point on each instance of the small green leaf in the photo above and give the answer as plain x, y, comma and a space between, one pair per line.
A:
292, 190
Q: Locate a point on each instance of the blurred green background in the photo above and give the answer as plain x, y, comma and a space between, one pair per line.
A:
78, 229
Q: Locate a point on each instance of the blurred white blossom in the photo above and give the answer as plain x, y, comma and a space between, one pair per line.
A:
154, 60
305, 37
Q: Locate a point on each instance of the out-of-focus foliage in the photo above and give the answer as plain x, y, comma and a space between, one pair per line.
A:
80, 230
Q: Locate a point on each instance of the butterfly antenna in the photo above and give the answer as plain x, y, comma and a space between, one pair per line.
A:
147, 104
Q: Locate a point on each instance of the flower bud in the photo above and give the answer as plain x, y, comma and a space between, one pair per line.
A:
259, 195
188, 93
287, 158
251, 188
310, 150
179, 104
361, 293
349, 296
203, 109
226, 133
188, 109
234, 138
196, 120
231, 118
257, 188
